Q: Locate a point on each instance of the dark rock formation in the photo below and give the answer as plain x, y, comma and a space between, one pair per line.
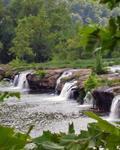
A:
45, 84
103, 97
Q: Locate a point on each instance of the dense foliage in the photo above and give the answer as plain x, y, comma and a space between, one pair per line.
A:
40, 30
91, 83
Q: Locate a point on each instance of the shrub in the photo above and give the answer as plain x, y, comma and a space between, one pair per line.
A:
41, 73
17, 63
99, 67
92, 82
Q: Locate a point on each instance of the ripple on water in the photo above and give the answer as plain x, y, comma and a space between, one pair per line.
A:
42, 112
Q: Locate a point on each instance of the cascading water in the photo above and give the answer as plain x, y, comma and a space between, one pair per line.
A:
66, 91
88, 99
115, 109
114, 68
20, 82
64, 75
15, 81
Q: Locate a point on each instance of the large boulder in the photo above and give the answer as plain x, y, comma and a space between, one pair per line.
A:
46, 83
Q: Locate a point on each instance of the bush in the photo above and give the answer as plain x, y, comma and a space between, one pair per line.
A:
92, 82
41, 73
17, 63
99, 67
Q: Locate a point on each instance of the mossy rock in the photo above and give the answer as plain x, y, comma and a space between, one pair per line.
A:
41, 73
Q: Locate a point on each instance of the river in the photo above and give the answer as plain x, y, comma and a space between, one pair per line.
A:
44, 111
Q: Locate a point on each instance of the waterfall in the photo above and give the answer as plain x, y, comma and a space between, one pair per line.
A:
15, 81
64, 75
66, 91
115, 109
88, 99
20, 81
114, 68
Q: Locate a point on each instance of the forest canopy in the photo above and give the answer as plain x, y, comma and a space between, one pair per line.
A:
41, 30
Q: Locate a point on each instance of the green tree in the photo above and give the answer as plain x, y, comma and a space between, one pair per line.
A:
31, 38
110, 35
6, 33
43, 35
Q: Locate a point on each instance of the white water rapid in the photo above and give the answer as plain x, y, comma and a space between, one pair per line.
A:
115, 109
114, 68
88, 99
19, 84
20, 81
64, 75
66, 91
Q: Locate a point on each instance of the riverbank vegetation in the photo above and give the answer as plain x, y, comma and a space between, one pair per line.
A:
19, 65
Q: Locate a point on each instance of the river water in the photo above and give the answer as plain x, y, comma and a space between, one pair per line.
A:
45, 112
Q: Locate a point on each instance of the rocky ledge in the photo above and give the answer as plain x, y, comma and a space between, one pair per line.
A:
103, 96
56, 78
44, 83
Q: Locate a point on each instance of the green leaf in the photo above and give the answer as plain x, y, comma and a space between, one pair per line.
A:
10, 140
51, 146
47, 136
71, 128
4, 95
113, 142
104, 125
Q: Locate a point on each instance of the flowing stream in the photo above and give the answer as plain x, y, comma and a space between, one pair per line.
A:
44, 111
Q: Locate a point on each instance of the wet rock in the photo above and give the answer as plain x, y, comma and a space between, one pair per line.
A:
111, 79
103, 97
45, 84
80, 75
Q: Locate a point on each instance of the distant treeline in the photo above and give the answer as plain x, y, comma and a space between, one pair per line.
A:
42, 30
